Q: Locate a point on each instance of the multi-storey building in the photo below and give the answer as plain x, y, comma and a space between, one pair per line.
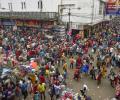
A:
91, 11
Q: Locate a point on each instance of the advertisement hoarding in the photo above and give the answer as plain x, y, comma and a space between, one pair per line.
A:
113, 7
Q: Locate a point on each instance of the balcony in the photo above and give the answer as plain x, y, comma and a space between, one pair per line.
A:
30, 15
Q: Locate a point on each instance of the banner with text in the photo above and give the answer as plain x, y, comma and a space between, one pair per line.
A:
113, 7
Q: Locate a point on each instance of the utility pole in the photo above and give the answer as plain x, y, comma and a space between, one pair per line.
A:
92, 17
61, 3
61, 10
40, 6
69, 14
104, 10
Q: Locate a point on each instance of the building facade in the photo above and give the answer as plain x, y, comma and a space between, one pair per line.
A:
29, 5
91, 11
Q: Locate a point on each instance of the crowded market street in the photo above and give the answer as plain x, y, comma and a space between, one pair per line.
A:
60, 50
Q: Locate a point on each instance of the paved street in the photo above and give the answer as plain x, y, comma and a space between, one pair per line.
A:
105, 92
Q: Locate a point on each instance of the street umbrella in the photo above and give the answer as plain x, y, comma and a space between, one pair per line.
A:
6, 71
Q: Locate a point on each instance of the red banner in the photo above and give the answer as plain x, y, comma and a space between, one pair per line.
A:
31, 23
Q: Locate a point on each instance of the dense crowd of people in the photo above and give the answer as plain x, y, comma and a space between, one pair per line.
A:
115, 25
39, 59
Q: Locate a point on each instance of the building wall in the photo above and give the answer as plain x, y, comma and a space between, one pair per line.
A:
84, 15
31, 5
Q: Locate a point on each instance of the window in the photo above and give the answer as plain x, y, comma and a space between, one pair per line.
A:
10, 6
40, 4
23, 4
100, 8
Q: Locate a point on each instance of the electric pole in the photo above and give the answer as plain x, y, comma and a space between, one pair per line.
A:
92, 17
61, 10
69, 14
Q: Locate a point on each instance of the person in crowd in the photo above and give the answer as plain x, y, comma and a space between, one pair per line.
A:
98, 78
18, 91
57, 89
51, 91
57, 72
63, 58
42, 89
65, 66
35, 90
104, 71
92, 73
42, 78
76, 74
79, 62
24, 87
84, 90
71, 62
118, 90
65, 74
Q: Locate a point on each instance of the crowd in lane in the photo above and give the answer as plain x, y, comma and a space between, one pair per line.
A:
38, 59
115, 25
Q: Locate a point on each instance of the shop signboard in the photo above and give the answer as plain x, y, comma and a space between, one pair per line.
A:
113, 7
8, 22
31, 23
19, 23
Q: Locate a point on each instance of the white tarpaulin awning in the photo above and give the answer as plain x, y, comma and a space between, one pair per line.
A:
5, 71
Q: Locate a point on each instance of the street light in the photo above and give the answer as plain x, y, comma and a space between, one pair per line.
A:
69, 14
